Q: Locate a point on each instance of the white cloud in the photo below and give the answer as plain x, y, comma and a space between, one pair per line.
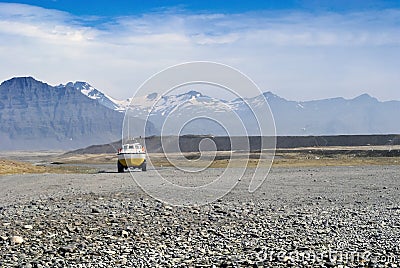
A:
296, 55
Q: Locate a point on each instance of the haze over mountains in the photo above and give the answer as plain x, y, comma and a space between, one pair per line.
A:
35, 115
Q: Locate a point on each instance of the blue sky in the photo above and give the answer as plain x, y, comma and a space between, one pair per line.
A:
300, 50
134, 7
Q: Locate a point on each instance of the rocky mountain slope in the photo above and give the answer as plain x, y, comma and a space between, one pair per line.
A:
35, 115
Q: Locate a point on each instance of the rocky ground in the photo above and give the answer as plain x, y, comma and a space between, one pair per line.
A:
300, 217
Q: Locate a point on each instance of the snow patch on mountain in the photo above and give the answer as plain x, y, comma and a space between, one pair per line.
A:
95, 94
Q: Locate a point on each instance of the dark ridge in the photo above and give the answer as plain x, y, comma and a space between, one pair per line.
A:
190, 143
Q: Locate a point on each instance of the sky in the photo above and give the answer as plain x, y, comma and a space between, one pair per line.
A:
299, 50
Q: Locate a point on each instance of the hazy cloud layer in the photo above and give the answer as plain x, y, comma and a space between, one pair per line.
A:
296, 55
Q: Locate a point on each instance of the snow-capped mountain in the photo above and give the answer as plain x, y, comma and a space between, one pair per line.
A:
163, 105
95, 94
176, 108
361, 115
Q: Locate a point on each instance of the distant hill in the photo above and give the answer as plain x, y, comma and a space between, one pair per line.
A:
336, 116
191, 143
35, 115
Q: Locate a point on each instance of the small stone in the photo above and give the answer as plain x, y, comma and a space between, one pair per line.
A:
286, 259
28, 227
124, 233
65, 249
95, 210
16, 239
329, 264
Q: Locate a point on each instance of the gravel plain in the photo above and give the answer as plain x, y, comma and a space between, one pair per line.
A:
299, 217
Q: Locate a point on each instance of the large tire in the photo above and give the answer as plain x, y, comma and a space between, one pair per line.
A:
120, 167
144, 166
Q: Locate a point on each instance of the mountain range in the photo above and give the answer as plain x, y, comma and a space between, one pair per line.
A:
361, 115
336, 116
35, 115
